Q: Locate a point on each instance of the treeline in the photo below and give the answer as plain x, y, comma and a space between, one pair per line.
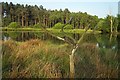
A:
30, 15
27, 16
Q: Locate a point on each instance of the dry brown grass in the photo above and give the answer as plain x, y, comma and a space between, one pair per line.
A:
40, 59
91, 64
33, 58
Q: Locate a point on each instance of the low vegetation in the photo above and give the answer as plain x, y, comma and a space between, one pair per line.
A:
41, 59
21, 29
50, 29
35, 59
14, 25
38, 25
68, 26
58, 26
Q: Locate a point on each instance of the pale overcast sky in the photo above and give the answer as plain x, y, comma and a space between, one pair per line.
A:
95, 7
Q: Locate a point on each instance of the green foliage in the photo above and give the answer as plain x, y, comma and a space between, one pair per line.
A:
115, 22
68, 26
7, 22
14, 25
105, 24
102, 25
14, 35
118, 17
28, 16
38, 25
58, 26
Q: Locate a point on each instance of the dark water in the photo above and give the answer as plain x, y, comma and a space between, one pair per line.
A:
101, 40
108, 45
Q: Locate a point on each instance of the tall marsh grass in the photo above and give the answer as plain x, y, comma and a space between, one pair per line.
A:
91, 63
43, 59
34, 59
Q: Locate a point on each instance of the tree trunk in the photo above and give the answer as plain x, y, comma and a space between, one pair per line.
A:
72, 69
13, 20
78, 25
74, 24
26, 22
22, 21
116, 29
18, 19
111, 24
11, 17
35, 21
110, 38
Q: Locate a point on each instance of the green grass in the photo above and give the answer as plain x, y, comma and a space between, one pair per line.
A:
71, 30
49, 29
20, 29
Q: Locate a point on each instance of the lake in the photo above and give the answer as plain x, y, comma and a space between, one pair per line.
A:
96, 57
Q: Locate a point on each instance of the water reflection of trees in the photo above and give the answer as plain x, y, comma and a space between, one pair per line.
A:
24, 36
105, 41
107, 45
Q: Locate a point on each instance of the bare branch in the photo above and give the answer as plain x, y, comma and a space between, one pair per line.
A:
68, 39
79, 41
60, 38
54, 35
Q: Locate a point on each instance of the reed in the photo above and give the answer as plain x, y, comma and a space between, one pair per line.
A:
43, 59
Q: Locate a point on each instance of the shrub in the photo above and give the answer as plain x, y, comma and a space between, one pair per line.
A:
38, 25
58, 26
68, 26
14, 25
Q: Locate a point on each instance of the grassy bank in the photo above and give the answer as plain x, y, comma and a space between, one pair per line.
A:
35, 59
20, 29
41, 59
49, 29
